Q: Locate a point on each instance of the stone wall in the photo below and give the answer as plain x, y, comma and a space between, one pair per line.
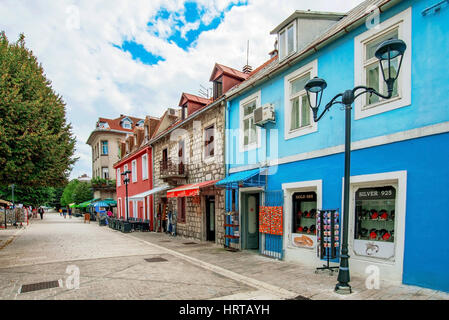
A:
199, 169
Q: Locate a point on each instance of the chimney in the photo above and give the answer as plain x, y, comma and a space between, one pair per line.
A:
247, 69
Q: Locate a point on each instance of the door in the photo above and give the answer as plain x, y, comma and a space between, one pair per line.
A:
251, 219
210, 218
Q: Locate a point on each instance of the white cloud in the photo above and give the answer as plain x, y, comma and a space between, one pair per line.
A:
97, 79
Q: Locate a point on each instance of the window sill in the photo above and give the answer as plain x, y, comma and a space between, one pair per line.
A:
301, 131
250, 147
362, 111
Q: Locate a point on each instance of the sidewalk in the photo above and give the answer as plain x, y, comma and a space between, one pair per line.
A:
274, 279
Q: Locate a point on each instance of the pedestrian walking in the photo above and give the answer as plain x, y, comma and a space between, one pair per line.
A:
70, 213
34, 213
60, 212
41, 212
64, 212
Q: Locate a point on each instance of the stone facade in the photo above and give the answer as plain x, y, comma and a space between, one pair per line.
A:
199, 168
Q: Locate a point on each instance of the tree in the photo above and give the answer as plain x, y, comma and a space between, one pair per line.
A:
67, 195
55, 201
35, 196
36, 143
82, 192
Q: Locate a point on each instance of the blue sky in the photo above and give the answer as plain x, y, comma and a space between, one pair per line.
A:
191, 14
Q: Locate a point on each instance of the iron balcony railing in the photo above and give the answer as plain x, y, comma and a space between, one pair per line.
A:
172, 169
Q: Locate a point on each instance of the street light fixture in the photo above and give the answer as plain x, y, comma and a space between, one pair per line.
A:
126, 181
385, 52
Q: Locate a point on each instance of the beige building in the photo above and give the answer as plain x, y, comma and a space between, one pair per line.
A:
105, 143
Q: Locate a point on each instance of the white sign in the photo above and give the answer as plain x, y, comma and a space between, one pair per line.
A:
302, 240
377, 249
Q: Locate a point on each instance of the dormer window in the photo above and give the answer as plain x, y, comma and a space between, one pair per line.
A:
218, 88
126, 123
103, 125
287, 40
140, 123
184, 112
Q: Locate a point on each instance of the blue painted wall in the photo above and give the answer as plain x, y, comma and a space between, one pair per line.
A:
430, 90
426, 255
426, 250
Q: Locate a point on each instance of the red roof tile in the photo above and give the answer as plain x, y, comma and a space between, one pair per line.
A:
194, 98
227, 70
114, 124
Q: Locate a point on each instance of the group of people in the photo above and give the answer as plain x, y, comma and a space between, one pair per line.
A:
35, 211
63, 212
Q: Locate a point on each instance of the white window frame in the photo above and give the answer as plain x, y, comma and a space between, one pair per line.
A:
119, 178
286, 54
134, 170
145, 167
312, 68
392, 270
102, 172
209, 159
255, 96
403, 23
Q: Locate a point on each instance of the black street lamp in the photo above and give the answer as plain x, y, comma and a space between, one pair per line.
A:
385, 52
126, 181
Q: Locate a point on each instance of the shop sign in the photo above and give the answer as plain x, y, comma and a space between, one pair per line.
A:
376, 249
301, 240
375, 193
305, 196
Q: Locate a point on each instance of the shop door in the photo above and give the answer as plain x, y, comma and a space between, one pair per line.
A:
210, 218
251, 220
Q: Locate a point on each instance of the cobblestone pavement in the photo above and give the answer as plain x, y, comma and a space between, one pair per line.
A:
112, 266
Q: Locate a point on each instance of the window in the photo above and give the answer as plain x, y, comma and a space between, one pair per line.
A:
218, 88
298, 119
165, 158
126, 124
209, 141
373, 74
368, 72
299, 105
104, 147
105, 172
250, 137
134, 170
182, 209
287, 41
119, 178
144, 167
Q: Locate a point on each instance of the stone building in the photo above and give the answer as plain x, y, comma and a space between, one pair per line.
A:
188, 153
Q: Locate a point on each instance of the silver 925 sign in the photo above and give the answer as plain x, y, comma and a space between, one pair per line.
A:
376, 193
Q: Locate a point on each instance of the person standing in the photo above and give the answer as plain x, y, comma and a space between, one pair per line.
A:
41, 212
70, 213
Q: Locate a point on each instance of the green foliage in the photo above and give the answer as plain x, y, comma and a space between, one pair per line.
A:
34, 196
67, 195
36, 143
82, 192
56, 198
102, 182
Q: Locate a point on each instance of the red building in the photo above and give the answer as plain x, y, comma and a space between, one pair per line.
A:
136, 157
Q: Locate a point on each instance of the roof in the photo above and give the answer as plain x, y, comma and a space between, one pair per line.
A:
308, 15
114, 124
353, 18
228, 71
193, 98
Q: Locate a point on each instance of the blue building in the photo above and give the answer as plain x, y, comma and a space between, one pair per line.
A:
399, 212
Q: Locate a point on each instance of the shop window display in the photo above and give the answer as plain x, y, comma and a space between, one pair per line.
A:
375, 220
304, 219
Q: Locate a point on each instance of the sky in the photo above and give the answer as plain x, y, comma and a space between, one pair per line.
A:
107, 58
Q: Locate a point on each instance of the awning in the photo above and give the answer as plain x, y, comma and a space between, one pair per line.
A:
189, 190
86, 204
142, 195
239, 178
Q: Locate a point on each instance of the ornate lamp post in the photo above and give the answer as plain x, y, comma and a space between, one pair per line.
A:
126, 181
385, 52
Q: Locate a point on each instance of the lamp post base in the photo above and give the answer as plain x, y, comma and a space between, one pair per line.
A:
343, 289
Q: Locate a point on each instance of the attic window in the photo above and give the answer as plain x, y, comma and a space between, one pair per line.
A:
126, 124
218, 88
140, 123
287, 40
103, 125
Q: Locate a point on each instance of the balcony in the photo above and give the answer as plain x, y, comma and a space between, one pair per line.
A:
172, 170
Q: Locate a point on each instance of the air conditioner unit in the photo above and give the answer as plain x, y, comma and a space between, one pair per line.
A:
171, 111
264, 114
